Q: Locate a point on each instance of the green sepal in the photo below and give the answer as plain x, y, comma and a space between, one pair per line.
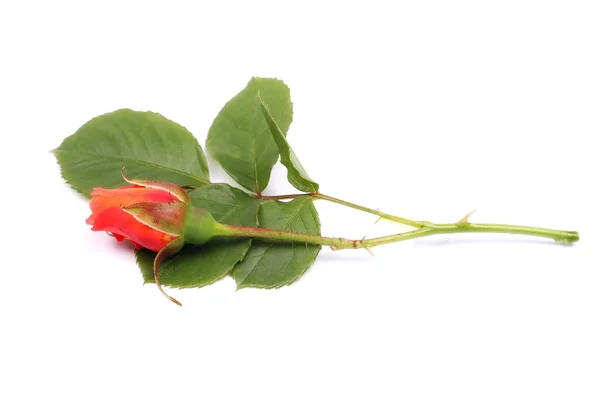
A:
176, 191
166, 252
168, 217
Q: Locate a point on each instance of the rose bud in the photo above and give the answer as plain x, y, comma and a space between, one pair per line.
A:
155, 215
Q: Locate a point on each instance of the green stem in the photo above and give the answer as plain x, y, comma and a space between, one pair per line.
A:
389, 217
432, 229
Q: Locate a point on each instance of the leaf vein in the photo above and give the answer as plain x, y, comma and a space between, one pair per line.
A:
176, 171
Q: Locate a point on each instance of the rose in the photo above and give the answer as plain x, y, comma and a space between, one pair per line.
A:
155, 215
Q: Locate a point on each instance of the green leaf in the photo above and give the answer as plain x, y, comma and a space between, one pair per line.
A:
240, 139
193, 266
149, 145
197, 266
227, 204
297, 176
271, 264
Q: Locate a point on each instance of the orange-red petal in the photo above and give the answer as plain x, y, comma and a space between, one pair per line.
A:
121, 238
124, 225
103, 199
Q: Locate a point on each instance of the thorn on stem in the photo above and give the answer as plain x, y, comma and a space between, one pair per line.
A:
465, 220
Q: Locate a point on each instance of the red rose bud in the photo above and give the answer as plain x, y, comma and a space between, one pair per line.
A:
154, 215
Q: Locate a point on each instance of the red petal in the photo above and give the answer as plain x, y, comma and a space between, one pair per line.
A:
118, 237
103, 199
124, 225
121, 238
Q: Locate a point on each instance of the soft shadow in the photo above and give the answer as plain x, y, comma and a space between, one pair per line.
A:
435, 242
360, 255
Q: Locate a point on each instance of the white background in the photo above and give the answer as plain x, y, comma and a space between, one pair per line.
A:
423, 109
